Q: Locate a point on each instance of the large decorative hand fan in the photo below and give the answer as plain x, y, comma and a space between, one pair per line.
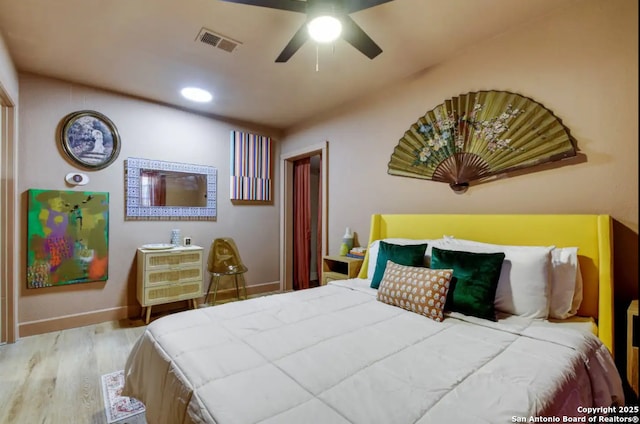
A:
478, 135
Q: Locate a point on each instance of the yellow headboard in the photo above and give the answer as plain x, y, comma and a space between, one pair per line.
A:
590, 233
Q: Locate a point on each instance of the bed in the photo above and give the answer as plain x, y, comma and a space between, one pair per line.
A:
340, 354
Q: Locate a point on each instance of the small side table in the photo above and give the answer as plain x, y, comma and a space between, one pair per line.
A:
339, 268
632, 345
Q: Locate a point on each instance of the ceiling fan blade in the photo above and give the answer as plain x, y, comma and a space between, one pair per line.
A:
351, 6
299, 38
292, 5
354, 35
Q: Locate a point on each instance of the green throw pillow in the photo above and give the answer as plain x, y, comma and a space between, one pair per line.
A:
409, 255
474, 283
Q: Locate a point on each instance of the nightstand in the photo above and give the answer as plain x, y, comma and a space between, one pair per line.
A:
169, 275
339, 268
632, 346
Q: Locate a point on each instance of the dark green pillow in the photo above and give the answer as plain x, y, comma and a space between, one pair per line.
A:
475, 280
409, 255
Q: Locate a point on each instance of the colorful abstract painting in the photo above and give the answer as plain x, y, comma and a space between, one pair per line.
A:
250, 167
68, 237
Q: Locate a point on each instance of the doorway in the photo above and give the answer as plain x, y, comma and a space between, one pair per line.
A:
306, 231
287, 221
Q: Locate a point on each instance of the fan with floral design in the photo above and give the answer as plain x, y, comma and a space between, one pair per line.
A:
478, 135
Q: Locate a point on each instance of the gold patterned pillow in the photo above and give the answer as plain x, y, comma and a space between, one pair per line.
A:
416, 289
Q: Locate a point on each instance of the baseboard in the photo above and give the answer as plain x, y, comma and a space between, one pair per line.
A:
254, 290
32, 328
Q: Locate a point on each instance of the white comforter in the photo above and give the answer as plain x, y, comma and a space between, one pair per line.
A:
336, 355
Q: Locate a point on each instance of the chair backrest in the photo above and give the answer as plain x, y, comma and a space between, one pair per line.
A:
223, 255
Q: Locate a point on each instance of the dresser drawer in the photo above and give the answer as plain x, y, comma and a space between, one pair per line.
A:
173, 292
172, 260
171, 276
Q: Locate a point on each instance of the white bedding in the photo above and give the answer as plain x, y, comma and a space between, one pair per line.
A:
334, 354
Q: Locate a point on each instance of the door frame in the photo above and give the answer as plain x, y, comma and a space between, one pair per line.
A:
286, 207
8, 241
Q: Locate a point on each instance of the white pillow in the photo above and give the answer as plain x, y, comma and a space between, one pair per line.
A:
524, 287
375, 246
566, 283
577, 296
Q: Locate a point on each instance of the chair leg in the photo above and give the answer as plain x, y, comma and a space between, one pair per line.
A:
235, 279
215, 290
208, 290
244, 286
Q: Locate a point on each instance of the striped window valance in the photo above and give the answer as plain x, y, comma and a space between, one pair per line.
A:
250, 167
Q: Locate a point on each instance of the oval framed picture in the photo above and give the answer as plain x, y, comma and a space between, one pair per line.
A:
90, 139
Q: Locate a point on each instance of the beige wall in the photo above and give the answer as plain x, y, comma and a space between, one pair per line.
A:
8, 74
147, 130
582, 63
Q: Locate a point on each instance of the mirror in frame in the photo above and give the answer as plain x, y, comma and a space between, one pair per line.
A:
159, 190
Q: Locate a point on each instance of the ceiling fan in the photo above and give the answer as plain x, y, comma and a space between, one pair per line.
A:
333, 14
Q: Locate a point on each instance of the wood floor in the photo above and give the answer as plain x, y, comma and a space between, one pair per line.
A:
54, 378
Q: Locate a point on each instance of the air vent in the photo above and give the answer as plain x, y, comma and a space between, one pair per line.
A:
209, 38
217, 40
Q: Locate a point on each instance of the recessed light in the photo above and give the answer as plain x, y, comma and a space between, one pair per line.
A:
196, 94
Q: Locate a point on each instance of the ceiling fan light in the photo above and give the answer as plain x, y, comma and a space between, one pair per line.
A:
324, 29
196, 94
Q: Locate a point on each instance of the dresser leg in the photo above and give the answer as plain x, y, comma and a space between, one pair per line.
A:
148, 318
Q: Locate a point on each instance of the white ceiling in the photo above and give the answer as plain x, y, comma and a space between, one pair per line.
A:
148, 49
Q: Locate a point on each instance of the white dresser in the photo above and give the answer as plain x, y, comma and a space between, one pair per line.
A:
169, 275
